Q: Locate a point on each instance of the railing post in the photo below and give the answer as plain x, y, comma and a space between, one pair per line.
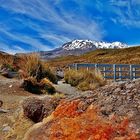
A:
134, 73
131, 72
120, 72
114, 69
96, 67
104, 71
76, 66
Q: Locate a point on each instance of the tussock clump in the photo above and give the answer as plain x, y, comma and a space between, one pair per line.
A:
6, 59
47, 86
84, 80
74, 77
44, 86
30, 84
33, 66
30, 64
38, 75
92, 80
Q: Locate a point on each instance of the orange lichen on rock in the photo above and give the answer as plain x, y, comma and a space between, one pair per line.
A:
67, 109
73, 124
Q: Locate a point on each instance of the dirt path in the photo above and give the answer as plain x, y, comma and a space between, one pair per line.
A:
66, 89
70, 91
11, 94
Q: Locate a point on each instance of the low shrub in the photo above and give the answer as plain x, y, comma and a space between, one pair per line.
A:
46, 73
34, 67
84, 80
44, 86
92, 80
73, 77
30, 84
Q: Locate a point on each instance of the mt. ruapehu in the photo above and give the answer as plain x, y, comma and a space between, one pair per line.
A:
78, 47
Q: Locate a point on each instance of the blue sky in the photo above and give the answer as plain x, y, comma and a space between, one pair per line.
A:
33, 25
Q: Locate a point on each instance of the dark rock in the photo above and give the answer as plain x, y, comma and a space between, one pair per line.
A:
1, 103
32, 108
36, 109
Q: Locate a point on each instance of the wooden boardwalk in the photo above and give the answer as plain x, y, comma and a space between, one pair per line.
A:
112, 71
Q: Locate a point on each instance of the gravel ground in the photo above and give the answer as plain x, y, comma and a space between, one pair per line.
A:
11, 94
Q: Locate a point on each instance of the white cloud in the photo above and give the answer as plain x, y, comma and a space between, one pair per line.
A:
11, 49
128, 12
56, 39
42, 10
35, 43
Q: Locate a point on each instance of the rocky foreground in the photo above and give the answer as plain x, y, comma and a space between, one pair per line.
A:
110, 113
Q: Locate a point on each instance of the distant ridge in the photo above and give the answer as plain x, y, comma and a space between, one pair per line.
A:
3, 53
78, 47
129, 55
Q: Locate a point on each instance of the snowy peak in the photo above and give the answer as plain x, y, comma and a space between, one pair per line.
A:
88, 44
79, 47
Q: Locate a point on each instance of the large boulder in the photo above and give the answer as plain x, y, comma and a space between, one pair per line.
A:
36, 109
32, 108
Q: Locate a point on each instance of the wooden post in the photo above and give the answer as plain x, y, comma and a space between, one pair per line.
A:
114, 69
87, 68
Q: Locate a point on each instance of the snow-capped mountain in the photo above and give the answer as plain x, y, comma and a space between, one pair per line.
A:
78, 47
88, 44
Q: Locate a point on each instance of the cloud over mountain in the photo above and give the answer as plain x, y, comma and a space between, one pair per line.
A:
43, 25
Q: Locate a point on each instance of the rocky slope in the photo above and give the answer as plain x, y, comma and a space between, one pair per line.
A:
115, 103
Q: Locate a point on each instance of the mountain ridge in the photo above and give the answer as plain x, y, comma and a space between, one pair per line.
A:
130, 55
78, 47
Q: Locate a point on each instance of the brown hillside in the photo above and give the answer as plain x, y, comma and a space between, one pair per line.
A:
108, 56
6, 58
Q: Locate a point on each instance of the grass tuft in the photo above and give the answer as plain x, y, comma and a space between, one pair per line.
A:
84, 80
